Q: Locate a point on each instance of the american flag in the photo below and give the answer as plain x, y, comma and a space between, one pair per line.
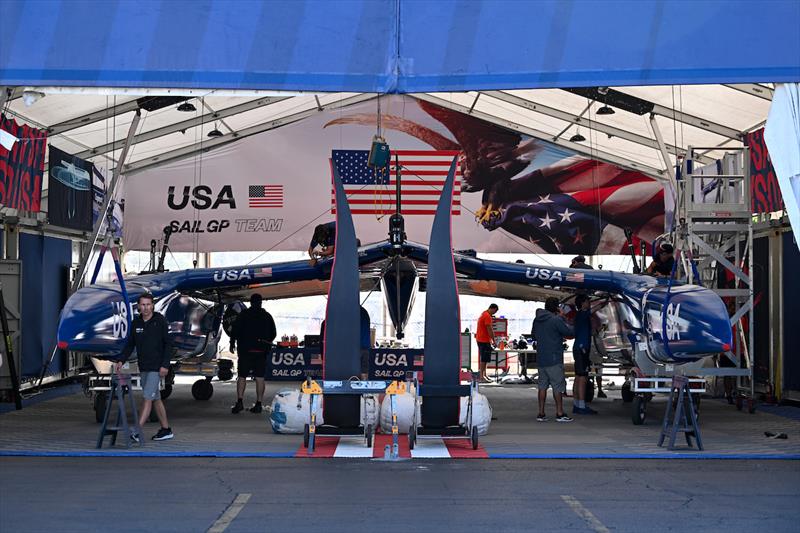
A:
265, 196
264, 272
373, 193
583, 206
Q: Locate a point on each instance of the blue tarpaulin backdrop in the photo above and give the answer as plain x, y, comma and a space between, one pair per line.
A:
396, 45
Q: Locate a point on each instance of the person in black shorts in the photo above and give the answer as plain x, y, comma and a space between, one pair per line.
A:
484, 336
580, 353
253, 331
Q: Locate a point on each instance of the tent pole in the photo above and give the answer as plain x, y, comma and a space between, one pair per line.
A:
87, 254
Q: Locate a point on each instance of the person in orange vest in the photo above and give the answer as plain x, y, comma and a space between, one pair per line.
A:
484, 336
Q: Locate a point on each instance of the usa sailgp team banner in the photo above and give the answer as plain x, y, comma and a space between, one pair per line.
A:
513, 193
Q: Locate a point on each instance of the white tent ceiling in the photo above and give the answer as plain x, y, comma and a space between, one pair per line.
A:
94, 123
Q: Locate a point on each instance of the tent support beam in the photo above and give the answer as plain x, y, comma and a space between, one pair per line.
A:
697, 122
112, 189
208, 144
575, 147
578, 119
91, 118
183, 125
215, 114
753, 89
663, 151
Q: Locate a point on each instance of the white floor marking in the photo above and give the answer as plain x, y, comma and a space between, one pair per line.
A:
590, 519
430, 449
352, 447
230, 513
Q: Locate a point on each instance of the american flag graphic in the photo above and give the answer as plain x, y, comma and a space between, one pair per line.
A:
577, 278
583, 206
422, 178
265, 196
262, 272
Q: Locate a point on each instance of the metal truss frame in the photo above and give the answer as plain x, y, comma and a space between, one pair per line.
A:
716, 233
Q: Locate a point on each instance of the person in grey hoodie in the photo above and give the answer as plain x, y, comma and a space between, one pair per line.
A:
549, 330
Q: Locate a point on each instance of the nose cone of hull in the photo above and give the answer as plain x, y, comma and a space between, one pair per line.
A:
687, 324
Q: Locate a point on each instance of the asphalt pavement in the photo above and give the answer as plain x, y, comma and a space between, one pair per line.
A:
236, 495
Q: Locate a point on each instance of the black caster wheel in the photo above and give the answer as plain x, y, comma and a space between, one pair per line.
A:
627, 393
368, 435
474, 437
305, 436
412, 437
589, 392
99, 405
202, 390
639, 411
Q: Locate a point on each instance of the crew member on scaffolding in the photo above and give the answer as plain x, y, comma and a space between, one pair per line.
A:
322, 242
663, 262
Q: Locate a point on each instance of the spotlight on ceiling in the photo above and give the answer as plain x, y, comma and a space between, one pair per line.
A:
577, 138
30, 97
605, 110
186, 107
215, 133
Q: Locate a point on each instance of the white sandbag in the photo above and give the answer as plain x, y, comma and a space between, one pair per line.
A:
481, 413
405, 412
289, 412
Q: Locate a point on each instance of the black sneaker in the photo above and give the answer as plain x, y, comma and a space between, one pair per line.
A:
541, 418
601, 394
135, 438
563, 418
238, 408
257, 408
163, 434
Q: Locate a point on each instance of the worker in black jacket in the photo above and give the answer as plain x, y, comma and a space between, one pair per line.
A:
253, 331
150, 337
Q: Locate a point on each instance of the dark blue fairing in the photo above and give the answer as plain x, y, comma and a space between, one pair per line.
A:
442, 325
342, 358
399, 284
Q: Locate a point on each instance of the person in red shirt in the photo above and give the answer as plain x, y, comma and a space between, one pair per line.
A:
485, 339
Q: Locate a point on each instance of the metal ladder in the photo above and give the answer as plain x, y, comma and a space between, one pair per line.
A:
121, 389
684, 417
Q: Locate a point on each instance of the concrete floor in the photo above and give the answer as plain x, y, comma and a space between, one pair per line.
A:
66, 426
195, 494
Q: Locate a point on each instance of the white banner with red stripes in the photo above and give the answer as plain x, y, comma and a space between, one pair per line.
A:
513, 193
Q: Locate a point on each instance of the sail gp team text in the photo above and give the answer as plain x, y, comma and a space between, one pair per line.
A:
203, 197
247, 225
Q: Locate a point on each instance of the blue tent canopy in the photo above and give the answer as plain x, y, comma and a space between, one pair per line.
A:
396, 45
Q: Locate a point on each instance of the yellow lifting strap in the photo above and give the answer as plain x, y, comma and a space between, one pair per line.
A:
396, 387
310, 387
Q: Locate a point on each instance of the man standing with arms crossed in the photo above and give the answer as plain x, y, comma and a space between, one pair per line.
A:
484, 336
150, 336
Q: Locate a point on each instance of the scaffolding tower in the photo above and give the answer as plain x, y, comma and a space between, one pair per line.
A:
714, 231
